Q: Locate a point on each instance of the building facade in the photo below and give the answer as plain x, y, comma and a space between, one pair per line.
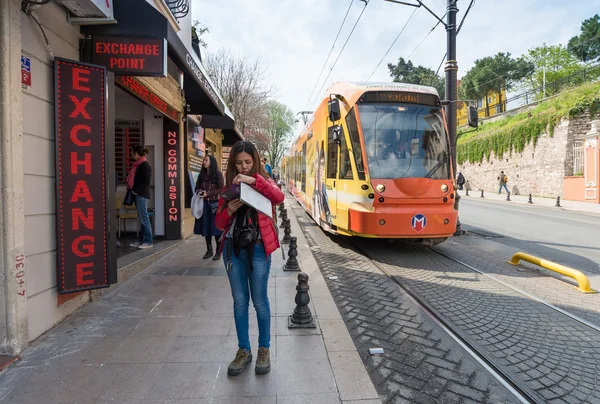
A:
91, 85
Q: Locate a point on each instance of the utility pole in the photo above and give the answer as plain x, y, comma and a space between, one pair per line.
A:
451, 70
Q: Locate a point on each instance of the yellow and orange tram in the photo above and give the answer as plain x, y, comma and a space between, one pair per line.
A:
374, 161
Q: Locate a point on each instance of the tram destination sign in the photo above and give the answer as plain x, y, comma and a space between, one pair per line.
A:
81, 172
131, 56
401, 96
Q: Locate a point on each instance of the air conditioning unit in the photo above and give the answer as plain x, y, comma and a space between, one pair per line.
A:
88, 12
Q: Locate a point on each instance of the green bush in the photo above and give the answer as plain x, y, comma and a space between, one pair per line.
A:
515, 132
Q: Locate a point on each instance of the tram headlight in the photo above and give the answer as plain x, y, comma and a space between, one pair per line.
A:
444, 188
380, 188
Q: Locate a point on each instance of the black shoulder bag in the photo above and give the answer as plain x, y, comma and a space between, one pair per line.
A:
245, 232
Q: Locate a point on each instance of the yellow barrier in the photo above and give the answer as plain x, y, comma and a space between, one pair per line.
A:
582, 280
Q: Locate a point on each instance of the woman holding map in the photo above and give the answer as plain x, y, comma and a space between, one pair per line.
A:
249, 239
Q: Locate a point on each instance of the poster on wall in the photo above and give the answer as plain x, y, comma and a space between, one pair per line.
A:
196, 150
81, 177
225, 154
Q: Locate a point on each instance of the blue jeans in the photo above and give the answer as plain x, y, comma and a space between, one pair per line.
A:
245, 283
141, 204
505, 187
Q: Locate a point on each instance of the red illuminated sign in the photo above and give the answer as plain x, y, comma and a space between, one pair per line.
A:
172, 181
81, 219
136, 56
146, 95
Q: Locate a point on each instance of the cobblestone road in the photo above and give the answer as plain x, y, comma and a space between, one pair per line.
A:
490, 257
556, 357
421, 363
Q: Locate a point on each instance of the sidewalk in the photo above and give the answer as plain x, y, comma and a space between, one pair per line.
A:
167, 336
537, 201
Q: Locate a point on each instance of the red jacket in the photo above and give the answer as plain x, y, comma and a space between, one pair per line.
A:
268, 233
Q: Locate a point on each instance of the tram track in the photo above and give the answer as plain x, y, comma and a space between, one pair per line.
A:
562, 326
523, 394
536, 351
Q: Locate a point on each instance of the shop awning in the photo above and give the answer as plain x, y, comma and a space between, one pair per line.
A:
226, 123
137, 18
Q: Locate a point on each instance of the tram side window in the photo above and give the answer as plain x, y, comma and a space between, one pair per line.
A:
332, 155
355, 142
303, 168
345, 165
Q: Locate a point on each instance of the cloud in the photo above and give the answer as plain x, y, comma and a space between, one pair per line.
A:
293, 38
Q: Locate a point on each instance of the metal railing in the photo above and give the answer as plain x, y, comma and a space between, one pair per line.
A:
179, 8
587, 74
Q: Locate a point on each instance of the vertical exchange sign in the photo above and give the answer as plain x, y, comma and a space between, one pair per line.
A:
81, 214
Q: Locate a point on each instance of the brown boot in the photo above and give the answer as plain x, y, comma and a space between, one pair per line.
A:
263, 361
242, 358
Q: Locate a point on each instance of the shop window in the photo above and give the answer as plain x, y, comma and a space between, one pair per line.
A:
128, 133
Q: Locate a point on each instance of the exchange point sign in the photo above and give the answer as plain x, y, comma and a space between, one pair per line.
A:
131, 56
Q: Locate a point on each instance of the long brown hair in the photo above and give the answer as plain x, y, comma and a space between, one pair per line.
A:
238, 148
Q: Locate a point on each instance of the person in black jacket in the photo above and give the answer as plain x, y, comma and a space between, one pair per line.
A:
209, 186
138, 181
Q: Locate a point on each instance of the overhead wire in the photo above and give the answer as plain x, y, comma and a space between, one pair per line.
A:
345, 43
423, 40
393, 43
330, 51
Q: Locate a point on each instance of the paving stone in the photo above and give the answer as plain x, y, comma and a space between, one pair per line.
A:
367, 299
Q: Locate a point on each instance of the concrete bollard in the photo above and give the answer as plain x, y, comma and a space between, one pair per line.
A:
558, 202
508, 196
287, 232
482, 194
284, 217
292, 262
302, 317
530, 201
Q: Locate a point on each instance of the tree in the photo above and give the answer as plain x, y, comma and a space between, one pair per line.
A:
586, 45
555, 62
494, 74
242, 84
197, 31
406, 72
280, 125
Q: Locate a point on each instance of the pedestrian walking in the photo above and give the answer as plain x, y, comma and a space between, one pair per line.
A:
249, 238
460, 181
502, 180
138, 181
209, 185
266, 167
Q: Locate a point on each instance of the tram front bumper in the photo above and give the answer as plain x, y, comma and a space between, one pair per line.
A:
403, 221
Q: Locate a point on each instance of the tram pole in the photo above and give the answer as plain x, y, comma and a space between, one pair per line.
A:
451, 70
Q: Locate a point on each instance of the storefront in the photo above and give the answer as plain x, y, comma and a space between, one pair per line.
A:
87, 94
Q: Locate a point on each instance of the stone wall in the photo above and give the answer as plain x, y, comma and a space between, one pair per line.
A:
538, 170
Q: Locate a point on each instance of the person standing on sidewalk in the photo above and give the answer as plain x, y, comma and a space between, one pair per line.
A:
138, 181
266, 167
502, 180
209, 185
249, 239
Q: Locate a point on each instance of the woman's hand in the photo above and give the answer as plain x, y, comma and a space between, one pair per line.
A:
233, 206
244, 178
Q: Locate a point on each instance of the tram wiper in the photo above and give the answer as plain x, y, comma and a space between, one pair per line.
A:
436, 167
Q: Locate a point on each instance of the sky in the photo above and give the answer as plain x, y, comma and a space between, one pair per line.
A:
293, 38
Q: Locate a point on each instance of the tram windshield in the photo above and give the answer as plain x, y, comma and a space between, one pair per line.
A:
404, 141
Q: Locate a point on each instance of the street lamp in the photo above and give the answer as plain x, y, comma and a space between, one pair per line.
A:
451, 70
